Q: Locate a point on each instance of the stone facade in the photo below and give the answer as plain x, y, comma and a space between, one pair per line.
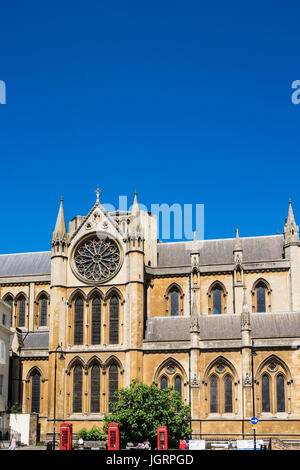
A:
109, 303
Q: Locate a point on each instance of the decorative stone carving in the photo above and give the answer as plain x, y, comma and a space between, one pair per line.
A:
97, 259
247, 380
195, 381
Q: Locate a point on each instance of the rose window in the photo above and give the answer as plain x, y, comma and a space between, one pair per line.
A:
97, 259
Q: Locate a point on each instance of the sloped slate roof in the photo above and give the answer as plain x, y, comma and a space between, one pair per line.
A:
220, 251
22, 264
39, 339
224, 327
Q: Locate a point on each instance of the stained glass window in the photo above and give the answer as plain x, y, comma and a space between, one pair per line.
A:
265, 394
113, 384
261, 298
280, 393
174, 296
96, 321
78, 321
35, 393
114, 320
217, 300
178, 384
97, 259
95, 389
77, 389
44, 307
163, 383
22, 311
214, 394
228, 394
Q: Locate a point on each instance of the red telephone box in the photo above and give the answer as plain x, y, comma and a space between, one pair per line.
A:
66, 436
162, 438
113, 436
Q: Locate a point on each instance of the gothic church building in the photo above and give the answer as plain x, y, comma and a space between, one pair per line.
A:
110, 303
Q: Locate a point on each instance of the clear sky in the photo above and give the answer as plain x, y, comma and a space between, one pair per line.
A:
185, 101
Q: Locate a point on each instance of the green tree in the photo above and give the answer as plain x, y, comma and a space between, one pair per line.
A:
140, 409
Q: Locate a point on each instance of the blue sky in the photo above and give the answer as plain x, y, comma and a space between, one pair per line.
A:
186, 102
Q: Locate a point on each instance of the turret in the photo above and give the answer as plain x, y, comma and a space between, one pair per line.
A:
291, 230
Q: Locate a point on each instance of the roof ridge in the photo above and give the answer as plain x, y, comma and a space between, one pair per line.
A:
219, 239
25, 253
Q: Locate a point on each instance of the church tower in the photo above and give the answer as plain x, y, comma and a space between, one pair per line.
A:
135, 289
292, 253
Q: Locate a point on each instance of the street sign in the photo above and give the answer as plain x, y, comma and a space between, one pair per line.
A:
254, 420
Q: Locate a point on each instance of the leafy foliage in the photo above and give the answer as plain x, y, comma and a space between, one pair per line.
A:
94, 434
141, 408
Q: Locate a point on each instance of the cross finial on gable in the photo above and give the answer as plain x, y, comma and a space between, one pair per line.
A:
98, 191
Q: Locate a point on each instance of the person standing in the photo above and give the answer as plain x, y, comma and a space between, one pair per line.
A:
13, 443
80, 443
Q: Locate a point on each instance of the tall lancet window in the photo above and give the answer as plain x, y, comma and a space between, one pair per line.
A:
227, 394
43, 310
280, 393
21, 306
163, 383
265, 385
217, 300
35, 392
77, 389
261, 297
174, 299
95, 389
78, 321
177, 384
113, 385
214, 405
96, 321
114, 320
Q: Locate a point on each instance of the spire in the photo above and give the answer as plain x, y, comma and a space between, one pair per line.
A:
60, 227
237, 243
135, 206
291, 230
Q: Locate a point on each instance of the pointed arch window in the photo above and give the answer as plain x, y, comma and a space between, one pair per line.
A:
35, 392
174, 300
280, 393
265, 393
96, 320
43, 310
95, 389
78, 321
163, 382
177, 384
21, 310
216, 299
261, 297
113, 385
228, 394
114, 320
77, 389
214, 405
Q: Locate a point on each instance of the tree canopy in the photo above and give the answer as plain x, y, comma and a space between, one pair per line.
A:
139, 409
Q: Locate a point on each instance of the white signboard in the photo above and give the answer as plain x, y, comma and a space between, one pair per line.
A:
248, 444
196, 444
